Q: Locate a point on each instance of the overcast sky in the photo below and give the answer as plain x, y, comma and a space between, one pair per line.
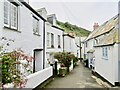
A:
79, 12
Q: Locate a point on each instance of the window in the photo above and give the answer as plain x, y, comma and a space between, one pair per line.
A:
35, 25
105, 52
59, 41
86, 44
10, 14
52, 40
48, 39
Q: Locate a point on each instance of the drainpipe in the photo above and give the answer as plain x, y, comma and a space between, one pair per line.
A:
44, 46
119, 42
63, 42
80, 47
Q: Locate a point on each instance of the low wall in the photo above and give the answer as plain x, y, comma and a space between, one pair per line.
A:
39, 77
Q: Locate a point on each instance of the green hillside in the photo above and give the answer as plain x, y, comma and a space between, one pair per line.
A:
73, 28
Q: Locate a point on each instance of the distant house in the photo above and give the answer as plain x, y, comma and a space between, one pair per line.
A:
54, 38
106, 50
21, 23
79, 41
89, 43
69, 43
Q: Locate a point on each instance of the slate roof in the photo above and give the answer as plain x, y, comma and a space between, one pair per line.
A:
110, 31
104, 28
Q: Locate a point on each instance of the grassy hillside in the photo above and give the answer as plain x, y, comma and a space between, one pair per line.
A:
73, 28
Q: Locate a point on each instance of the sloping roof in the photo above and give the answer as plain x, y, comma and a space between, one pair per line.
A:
109, 39
30, 8
104, 28
110, 31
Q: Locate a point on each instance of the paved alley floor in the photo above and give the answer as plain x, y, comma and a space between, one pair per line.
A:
79, 77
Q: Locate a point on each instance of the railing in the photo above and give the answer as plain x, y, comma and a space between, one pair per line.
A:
39, 77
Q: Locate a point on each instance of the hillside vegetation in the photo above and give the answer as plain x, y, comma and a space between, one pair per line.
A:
73, 28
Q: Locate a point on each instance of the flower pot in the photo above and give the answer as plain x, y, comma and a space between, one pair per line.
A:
63, 71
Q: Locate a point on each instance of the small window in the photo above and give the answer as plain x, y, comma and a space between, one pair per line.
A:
105, 52
59, 46
48, 39
52, 40
86, 44
35, 25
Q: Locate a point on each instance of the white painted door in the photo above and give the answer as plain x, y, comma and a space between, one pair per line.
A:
38, 60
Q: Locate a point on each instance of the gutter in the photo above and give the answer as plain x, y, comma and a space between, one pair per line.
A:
31, 9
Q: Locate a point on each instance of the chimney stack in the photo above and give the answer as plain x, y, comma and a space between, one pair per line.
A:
95, 26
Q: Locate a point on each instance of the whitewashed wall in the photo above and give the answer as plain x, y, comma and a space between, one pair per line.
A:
107, 68
69, 45
49, 50
27, 41
1, 16
39, 77
24, 37
56, 32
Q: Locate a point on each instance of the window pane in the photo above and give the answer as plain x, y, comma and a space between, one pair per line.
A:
35, 25
48, 41
58, 40
6, 13
52, 39
13, 16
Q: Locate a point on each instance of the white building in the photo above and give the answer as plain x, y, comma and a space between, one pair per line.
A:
21, 23
69, 43
107, 50
54, 38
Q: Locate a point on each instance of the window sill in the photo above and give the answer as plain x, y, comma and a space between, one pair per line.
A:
36, 34
50, 48
105, 58
5, 27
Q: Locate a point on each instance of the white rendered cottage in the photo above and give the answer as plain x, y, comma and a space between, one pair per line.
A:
54, 38
105, 48
21, 23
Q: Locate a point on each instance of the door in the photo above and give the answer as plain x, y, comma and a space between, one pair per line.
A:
38, 62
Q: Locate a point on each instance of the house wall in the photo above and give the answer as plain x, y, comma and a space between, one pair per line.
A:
79, 40
89, 46
39, 77
107, 68
1, 17
50, 50
28, 42
69, 45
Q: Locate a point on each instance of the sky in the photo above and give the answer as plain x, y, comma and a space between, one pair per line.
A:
79, 12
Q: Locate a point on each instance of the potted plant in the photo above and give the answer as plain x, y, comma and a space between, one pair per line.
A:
64, 58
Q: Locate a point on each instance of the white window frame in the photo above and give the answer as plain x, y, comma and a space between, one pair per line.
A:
48, 39
105, 53
7, 12
10, 11
36, 26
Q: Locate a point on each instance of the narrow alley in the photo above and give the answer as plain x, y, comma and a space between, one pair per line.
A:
80, 77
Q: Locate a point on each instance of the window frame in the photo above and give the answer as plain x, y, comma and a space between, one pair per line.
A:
105, 53
52, 40
10, 16
59, 42
48, 39
36, 30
